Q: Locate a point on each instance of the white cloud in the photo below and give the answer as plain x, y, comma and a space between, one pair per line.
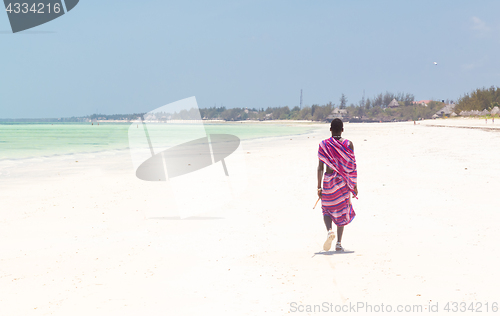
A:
479, 25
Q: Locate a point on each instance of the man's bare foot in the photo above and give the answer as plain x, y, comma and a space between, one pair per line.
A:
328, 243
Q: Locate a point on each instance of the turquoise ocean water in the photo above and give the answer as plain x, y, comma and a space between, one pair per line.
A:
30, 140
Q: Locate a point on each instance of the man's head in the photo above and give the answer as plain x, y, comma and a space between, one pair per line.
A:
337, 127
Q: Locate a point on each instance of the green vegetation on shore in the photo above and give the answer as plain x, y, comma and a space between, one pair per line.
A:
479, 100
380, 107
370, 110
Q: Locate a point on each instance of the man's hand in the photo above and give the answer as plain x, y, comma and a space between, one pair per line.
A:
356, 189
319, 192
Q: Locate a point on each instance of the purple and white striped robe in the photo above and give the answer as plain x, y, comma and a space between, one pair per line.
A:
337, 186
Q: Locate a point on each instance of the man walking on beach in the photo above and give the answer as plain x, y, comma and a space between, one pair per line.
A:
340, 180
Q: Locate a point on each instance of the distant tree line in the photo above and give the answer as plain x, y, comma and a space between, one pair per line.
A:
385, 114
382, 100
371, 109
479, 100
310, 113
118, 117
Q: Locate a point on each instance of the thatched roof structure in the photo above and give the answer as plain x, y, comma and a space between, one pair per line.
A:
495, 110
470, 113
446, 110
393, 104
337, 113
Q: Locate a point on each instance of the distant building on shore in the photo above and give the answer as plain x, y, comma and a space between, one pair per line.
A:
393, 104
448, 110
337, 113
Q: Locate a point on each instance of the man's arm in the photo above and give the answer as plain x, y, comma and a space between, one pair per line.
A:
320, 176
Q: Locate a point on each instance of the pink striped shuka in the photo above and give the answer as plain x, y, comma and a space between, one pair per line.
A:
337, 186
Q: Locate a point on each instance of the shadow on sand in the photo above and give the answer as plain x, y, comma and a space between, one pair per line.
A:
193, 218
331, 253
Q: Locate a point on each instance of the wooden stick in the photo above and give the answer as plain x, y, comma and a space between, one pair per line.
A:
316, 203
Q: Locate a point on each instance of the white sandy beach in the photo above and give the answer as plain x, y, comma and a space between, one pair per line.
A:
88, 238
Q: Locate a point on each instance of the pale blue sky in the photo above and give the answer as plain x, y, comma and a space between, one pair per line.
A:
134, 56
